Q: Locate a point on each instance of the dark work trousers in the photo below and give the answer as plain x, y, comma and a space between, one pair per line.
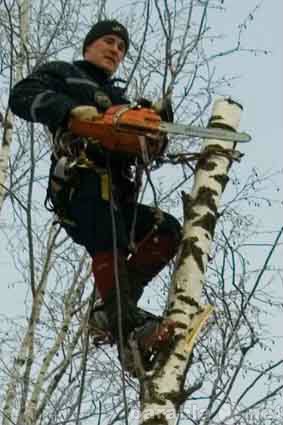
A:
94, 229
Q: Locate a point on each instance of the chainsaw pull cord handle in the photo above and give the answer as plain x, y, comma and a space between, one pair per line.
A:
142, 138
116, 118
122, 111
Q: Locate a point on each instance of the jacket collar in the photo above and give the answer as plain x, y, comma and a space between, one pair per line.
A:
96, 73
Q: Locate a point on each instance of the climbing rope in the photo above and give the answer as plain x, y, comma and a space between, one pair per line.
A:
118, 292
187, 157
138, 181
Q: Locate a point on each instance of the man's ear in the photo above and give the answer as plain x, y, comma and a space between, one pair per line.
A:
85, 53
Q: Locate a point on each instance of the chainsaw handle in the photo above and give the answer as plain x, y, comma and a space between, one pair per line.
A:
134, 118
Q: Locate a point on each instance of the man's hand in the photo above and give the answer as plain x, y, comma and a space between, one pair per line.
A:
85, 113
162, 107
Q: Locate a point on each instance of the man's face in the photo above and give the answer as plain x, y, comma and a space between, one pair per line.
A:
106, 52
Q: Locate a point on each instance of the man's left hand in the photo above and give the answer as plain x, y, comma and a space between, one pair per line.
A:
162, 107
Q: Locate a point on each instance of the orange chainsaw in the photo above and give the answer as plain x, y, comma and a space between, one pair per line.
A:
139, 131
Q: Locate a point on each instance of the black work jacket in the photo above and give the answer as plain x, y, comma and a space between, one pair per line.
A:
49, 93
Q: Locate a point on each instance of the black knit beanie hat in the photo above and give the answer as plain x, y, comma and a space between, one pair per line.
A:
106, 27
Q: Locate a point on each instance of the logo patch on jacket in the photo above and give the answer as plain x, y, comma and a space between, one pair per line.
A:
102, 100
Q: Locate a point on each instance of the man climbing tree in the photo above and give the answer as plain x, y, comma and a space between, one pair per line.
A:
44, 355
94, 190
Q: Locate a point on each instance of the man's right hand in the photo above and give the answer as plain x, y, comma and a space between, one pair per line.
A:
85, 113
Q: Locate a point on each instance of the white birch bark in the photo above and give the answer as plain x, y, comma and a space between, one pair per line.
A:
5, 149
8, 120
162, 392
29, 417
5, 154
24, 358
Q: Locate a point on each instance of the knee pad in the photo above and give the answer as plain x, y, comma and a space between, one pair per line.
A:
154, 254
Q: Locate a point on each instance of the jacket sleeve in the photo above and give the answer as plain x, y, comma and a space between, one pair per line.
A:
42, 96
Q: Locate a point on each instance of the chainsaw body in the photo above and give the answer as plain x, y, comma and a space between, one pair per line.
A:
123, 129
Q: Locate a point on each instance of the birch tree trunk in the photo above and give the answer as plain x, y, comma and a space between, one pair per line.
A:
19, 61
162, 392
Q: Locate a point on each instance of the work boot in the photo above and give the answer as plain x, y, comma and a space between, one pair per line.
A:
154, 336
99, 326
130, 317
